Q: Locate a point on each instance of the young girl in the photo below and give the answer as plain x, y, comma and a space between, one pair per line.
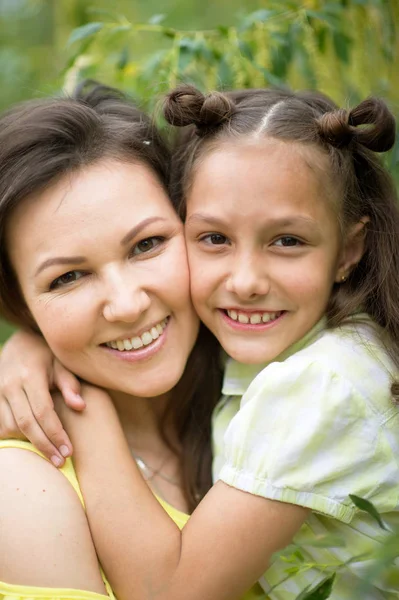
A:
292, 231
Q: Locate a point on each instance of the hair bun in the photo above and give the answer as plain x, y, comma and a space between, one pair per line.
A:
380, 136
186, 105
340, 127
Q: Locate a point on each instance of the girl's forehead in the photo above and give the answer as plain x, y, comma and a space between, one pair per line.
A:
261, 165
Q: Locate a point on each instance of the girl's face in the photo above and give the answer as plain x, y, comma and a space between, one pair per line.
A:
101, 261
264, 246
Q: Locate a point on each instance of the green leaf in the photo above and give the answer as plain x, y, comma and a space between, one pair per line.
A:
225, 74
369, 508
324, 541
123, 59
259, 16
246, 50
156, 19
269, 77
342, 45
321, 591
83, 32
120, 29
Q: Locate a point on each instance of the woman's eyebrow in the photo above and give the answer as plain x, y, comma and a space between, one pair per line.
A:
60, 260
137, 228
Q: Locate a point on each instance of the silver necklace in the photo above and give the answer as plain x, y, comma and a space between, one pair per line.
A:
149, 472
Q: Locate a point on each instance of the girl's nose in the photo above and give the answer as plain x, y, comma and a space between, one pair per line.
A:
248, 279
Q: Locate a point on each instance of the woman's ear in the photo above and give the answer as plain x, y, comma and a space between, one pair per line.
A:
353, 249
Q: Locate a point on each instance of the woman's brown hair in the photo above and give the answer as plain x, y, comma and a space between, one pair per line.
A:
42, 141
349, 139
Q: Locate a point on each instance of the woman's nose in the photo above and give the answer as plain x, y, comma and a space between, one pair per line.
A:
126, 299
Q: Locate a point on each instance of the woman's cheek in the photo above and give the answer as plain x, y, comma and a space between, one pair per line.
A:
63, 325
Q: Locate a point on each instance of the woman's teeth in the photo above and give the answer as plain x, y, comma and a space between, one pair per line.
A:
253, 318
139, 341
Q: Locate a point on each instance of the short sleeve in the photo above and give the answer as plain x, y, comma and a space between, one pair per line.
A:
305, 436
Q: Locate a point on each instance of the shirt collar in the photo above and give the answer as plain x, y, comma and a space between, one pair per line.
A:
238, 376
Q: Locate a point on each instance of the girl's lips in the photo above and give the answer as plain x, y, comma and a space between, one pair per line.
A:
259, 326
144, 353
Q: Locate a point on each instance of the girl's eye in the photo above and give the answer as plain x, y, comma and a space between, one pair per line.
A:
147, 245
215, 239
288, 241
65, 279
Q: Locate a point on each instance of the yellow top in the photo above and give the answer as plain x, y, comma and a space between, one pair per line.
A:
20, 592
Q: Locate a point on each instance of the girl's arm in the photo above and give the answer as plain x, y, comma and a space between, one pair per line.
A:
45, 537
28, 370
225, 547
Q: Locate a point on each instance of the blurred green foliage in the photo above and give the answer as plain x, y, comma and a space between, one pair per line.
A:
345, 48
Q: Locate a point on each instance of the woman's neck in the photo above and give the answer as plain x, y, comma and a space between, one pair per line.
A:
142, 419
145, 427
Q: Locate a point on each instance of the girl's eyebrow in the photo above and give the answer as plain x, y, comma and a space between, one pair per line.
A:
203, 218
272, 222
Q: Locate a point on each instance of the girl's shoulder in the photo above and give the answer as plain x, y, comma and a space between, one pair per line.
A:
350, 360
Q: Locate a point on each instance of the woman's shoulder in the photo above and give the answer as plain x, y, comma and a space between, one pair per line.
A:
45, 536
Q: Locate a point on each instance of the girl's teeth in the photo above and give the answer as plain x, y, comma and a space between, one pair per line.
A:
138, 342
253, 319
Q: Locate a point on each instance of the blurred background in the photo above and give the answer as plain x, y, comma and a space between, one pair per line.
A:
345, 48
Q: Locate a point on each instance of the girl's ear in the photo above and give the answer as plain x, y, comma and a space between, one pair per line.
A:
352, 250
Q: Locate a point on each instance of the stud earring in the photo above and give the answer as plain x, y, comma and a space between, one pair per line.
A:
343, 278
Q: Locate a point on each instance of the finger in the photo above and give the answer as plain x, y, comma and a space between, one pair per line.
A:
69, 386
28, 425
8, 426
42, 407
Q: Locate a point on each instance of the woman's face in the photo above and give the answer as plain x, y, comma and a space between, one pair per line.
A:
101, 261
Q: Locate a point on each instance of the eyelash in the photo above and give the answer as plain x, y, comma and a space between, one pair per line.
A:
159, 239
206, 238
57, 283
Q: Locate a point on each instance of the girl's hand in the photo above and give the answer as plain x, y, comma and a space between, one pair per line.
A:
28, 370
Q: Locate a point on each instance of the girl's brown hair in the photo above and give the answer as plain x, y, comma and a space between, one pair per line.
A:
42, 141
349, 139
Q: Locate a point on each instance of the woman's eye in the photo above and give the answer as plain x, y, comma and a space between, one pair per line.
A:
147, 244
215, 239
287, 241
65, 279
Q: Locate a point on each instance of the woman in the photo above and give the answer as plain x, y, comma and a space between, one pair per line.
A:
93, 257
